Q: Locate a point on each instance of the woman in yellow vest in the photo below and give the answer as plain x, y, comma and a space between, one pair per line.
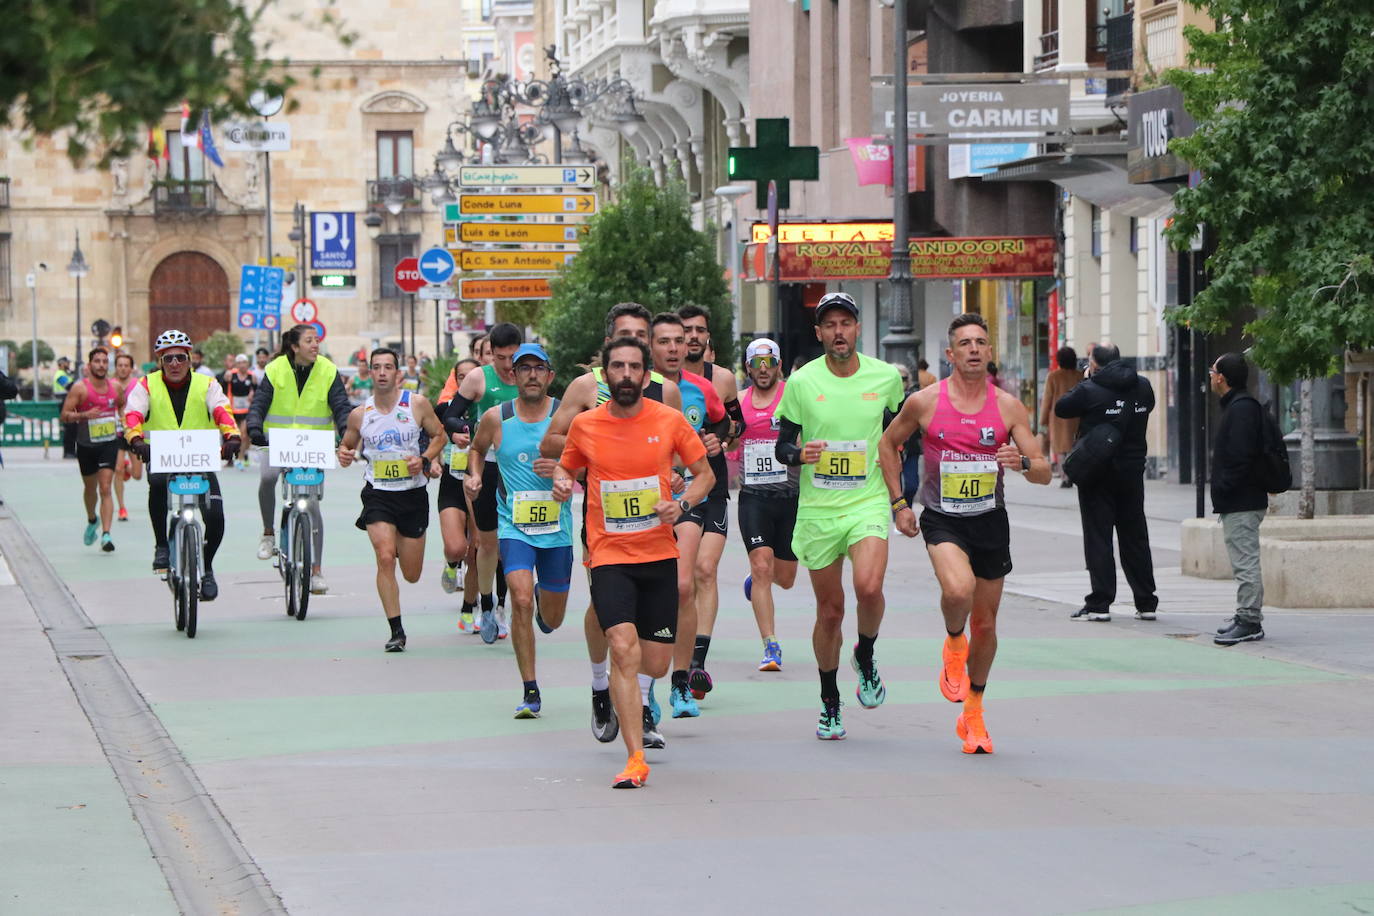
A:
300, 389
174, 397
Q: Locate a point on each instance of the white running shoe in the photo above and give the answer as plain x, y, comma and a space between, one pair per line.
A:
267, 547
502, 622
317, 584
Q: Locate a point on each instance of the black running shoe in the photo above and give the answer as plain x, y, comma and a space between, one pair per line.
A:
605, 725
162, 559
209, 588
396, 643
652, 738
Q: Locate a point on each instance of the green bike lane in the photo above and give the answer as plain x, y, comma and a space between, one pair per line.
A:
1132, 771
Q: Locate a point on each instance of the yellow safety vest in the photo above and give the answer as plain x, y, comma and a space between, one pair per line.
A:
307, 409
161, 413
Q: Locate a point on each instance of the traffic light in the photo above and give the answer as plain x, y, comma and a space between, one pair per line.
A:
116, 337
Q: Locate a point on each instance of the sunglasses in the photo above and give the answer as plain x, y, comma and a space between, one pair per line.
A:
176, 358
762, 362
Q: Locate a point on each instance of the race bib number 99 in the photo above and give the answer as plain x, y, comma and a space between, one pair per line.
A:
843, 465
628, 505
760, 464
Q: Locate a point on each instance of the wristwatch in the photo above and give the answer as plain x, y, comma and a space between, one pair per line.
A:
1025, 463
685, 506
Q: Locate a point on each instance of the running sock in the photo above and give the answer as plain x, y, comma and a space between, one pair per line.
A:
646, 683
954, 634
974, 700
467, 607
830, 688
679, 678
703, 645
769, 638
863, 650
395, 625
486, 603
601, 675
454, 564
531, 689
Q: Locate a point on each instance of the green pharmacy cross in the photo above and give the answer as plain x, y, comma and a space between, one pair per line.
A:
773, 160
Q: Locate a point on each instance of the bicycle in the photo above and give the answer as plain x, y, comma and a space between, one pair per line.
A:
186, 544
296, 536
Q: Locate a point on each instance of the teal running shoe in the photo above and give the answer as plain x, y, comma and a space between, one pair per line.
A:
772, 656
870, 691
106, 542
829, 727
529, 707
92, 529
684, 707
654, 711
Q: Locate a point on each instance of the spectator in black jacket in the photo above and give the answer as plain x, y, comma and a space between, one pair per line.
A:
1116, 499
1237, 494
8, 391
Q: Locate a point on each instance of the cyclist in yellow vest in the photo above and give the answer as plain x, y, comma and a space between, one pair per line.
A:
300, 389
174, 397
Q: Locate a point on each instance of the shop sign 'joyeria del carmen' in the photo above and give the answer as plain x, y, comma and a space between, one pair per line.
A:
931, 258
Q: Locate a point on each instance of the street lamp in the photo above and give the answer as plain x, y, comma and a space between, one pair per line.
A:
77, 268
731, 193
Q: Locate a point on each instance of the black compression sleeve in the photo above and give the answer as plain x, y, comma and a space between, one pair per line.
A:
787, 450
456, 417
736, 415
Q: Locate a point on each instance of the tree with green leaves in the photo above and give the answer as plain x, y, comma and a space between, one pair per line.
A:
100, 74
640, 248
1283, 95
22, 353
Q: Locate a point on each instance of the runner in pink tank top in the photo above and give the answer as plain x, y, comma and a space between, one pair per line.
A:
967, 452
92, 404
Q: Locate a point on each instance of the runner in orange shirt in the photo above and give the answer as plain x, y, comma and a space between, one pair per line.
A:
633, 553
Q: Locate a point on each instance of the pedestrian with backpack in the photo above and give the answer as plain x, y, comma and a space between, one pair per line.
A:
1241, 482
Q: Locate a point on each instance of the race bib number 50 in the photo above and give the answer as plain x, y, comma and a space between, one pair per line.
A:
628, 505
843, 465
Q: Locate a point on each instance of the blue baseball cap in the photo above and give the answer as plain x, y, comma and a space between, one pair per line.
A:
531, 349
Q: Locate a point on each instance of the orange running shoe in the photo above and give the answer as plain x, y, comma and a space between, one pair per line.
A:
953, 678
974, 734
635, 774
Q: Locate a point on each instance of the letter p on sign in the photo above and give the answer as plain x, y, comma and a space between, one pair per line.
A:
326, 230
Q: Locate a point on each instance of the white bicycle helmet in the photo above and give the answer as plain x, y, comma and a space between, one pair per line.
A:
172, 339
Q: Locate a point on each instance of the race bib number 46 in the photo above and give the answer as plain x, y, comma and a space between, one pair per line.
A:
843, 465
968, 486
390, 471
628, 505
535, 511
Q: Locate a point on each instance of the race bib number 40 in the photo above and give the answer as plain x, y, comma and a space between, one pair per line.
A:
843, 465
761, 465
628, 505
968, 486
535, 511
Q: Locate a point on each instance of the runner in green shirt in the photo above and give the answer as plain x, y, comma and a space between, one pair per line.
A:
831, 417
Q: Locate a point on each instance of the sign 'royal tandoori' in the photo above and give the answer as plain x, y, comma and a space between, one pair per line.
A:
931, 259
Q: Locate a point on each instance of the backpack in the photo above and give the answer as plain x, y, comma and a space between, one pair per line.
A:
1271, 464
1092, 454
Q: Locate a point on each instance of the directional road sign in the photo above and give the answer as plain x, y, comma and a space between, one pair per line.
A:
408, 277
260, 297
514, 260
334, 243
505, 288
584, 204
537, 233
526, 176
436, 265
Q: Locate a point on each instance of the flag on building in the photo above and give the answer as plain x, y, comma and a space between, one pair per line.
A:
206, 140
188, 136
157, 144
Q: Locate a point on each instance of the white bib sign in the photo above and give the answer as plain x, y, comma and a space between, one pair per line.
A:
184, 451
301, 448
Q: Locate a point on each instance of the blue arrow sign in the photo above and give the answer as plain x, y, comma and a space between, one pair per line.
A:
436, 265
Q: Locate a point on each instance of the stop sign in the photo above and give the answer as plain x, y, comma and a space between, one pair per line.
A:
408, 275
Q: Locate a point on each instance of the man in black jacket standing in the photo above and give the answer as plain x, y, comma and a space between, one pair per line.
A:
1116, 498
1237, 494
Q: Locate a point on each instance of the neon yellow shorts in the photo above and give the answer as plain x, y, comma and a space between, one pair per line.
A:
818, 542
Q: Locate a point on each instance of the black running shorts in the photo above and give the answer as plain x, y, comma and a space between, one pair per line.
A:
92, 458
451, 493
986, 538
766, 520
408, 510
712, 516
484, 507
644, 594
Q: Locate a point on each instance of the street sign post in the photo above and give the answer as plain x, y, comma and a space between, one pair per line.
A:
260, 297
407, 275
505, 288
526, 176
435, 291
514, 260
437, 265
583, 204
520, 233
334, 241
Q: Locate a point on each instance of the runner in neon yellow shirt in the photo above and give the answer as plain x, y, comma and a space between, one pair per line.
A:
831, 418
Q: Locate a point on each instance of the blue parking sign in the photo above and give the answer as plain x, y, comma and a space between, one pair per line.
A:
333, 241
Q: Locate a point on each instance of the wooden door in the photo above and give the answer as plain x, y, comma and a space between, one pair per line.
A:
189, 291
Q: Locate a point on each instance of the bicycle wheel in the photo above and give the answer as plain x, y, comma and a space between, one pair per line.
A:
285, 564
174, 580
301, 547
190, 574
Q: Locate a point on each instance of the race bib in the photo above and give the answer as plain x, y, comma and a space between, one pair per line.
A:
457, 462
968, 486
389, 472
628, 505
241, 401
843, 465
761, 465
535, 512
101, 429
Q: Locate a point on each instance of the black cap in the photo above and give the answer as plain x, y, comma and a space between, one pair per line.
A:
836, 301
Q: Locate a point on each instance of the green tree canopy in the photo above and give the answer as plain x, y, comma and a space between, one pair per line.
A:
1283, 97
22, 352
221, 344
641, 248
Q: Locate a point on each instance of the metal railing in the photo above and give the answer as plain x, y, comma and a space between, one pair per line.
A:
1120, 50
1048, 58
406, 190
175, 196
